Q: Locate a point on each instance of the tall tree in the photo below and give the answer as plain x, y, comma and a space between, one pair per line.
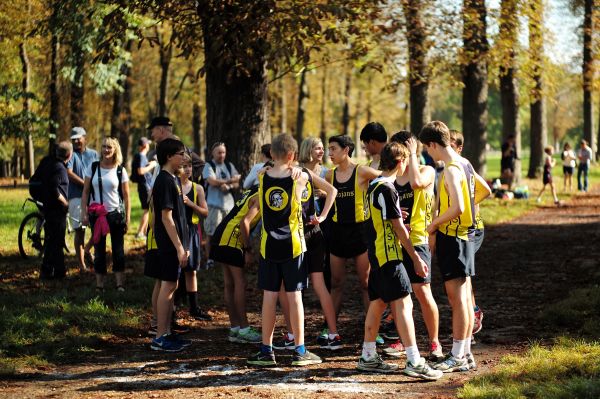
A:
77, 84
588, 74
417, 65
26, 69
302, 103
165, 53
509, 90
538, 132
121, 112
323, 112
346, 105
54, 93
282, 107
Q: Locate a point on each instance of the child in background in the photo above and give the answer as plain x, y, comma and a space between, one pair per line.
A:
195, 206
549, 163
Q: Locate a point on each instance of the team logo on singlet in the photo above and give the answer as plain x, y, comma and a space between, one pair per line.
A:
307, 192
276, 198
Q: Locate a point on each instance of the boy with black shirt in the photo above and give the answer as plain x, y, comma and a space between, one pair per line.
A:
170, 229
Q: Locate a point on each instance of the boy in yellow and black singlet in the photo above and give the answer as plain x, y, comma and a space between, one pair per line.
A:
347, 239
415, 190
388, 280
227, 248
281, 251
448, 237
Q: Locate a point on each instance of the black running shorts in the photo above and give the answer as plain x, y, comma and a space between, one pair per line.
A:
425, 254
315, 250
389, 282
347, 240
227, 255
455, 257
292, 273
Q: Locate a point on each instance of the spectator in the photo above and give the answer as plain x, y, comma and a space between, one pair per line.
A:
507, 163
568, 157
141, 173
252, 178
56, 185
81, 160
222, 178
107, 183
585, 157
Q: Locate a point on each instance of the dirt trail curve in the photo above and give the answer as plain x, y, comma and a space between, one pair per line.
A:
522, 266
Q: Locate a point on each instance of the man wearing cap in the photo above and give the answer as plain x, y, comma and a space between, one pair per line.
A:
141, 174
81, 160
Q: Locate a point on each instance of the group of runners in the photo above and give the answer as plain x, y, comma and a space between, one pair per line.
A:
389, 216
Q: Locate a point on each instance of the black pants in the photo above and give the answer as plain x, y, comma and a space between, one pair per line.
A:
117, 235
53, 263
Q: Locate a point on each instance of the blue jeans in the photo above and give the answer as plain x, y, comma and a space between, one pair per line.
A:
582, 169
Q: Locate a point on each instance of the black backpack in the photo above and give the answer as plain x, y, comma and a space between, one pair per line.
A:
36, 181
135, 177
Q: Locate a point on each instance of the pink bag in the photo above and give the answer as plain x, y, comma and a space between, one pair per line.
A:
100, 227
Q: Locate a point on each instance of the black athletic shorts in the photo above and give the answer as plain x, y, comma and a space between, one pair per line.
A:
227, 255
568, 170
347, 240
425, 254
151, 264
315, 249
455, 257
389, 282
143, 195
292, 273
477, 240
547, 178
163, 266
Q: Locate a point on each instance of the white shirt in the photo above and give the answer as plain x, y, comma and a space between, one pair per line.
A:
569, 158
110, 186
252, 178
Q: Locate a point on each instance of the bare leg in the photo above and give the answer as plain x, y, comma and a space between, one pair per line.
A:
373, 318
553, 190
362, 269
229, 293
165, 306
269, 307
155, 293
338, 278
143, 223
318, 283
429, 309
402, 309
285, 309
78, 242
458, 294
239, 295
296, 316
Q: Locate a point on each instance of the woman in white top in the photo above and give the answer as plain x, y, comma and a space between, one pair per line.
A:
107, 183
568, 158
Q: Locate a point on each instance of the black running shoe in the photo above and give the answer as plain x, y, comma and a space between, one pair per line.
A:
179, 329
262, 359
201, 315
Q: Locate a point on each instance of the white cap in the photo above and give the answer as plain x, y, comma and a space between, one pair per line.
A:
77, 132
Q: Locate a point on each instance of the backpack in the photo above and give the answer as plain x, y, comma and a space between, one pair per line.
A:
36, 182
212, 164
119, 177
135, 177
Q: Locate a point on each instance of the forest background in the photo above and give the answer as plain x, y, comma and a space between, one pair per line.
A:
241, 72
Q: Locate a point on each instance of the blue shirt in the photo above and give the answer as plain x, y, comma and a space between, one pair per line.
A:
216, 198
79, 163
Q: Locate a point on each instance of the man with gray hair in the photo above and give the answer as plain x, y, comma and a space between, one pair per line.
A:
55, 181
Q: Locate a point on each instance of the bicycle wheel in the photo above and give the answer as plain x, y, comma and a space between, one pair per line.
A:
31, 236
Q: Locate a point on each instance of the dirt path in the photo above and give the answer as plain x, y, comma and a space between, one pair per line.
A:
522, 266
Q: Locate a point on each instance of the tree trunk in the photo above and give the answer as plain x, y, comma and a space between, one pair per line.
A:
323, 130
54, 96
77, 87
346, 107
475, 91
302, 102
509, 91
418, 71
282, 106
588, 74
121, 112
537, 106
26, 68
369, 102
165, 52
197, 117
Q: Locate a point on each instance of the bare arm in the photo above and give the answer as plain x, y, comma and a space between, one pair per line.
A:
200, 207
73, 178
331, 192
452, 178
419, 177
402, 234
167, 219
366, 174
253, 209
146, 169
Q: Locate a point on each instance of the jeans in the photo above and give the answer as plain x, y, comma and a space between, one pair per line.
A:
53, 262
117, 237
582, 169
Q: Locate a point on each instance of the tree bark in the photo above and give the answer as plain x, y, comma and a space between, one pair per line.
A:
121, 112
323, 130
509, 91
346, 106
165, 51
77, 86
26, 68
475, 91
588, 74
539, 135
54, 96
282, 107
418, 71
302, 102
199, 142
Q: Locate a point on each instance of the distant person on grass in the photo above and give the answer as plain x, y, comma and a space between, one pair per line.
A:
141, 173
549, 163
171, 235
507, 162
81, 160
282, 251
569, 162
585, 158
55, 181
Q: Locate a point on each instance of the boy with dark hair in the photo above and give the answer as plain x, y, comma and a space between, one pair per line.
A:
282, 248
388, 280
374, 137
170, 232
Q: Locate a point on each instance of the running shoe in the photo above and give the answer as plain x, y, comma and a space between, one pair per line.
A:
421, 370
395, 350
376, 365
250, 336
284, 343
379, 341
232, 336
178, 328
478, 321
471, 361
176, 338
201, 315
323, 339
262, 359
306, 359
333, 344
451, 364
435, 354
165, 344
152, 330
388, 330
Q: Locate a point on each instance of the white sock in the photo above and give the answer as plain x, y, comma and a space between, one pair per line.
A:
332, 335
245, 329
412, 354
468, 346
290, 336
458, 348
369, 350
235, 329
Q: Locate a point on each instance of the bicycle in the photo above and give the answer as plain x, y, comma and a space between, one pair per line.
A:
31, 232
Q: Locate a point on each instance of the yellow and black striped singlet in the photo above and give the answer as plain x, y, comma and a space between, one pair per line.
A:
349, 205
462, 225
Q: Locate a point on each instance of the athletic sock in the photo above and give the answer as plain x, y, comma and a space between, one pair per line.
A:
332, 335
290, 336
458, 348
266, 348
468, 346
412, 354
193, 300
301, 349
369, 350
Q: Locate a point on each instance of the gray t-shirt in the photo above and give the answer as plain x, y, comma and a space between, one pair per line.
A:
585, 155
216, 198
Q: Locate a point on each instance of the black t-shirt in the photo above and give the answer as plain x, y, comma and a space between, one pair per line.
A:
55, 181
167, 194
